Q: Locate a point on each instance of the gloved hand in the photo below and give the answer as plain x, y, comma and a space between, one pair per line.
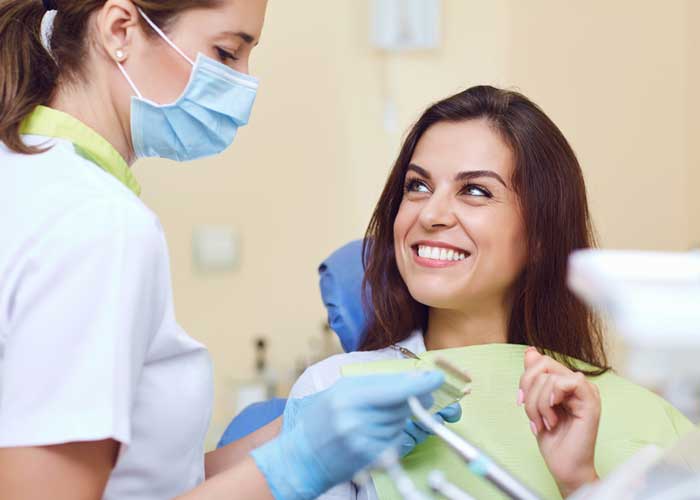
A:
414, 433
329, 436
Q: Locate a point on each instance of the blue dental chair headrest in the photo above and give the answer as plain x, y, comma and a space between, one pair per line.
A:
251, 419
341, 290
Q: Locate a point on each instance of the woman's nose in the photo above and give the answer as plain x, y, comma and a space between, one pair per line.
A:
438, 212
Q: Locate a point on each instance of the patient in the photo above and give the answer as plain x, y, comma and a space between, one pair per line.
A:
469, 246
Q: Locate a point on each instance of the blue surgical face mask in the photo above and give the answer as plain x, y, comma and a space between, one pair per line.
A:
203, 121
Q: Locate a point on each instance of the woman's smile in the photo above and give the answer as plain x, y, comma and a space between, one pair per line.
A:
438, 254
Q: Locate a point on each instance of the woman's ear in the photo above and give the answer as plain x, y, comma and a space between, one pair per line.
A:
118, 23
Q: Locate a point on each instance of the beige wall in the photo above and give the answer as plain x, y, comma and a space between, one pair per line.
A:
693, 127
613, 76
303, 177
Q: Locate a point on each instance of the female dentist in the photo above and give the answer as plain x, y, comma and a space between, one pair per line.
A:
102, 394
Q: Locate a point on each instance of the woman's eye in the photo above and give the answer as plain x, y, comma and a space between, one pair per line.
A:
416, 186
225, 55
474, 190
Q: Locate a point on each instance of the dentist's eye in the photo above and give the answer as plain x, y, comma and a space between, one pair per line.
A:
476, 190
416, 186
225, 55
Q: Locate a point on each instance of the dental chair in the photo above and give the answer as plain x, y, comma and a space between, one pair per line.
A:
340, 281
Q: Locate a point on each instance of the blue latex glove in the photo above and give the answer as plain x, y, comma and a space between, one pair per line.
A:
414, 433
329, 436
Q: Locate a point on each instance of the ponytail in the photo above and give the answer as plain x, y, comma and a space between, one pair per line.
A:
28, 74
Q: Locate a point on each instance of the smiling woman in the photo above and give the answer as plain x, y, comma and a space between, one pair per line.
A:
488, 173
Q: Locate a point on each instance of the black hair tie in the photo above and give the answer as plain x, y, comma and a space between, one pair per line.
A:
50, 5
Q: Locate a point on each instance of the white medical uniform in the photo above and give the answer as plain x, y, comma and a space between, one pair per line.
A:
89, 345
326, 373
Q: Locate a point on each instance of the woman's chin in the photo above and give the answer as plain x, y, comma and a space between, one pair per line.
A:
438, 300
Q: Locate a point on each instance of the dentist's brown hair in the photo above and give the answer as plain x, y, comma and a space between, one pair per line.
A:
549, 183
29, 74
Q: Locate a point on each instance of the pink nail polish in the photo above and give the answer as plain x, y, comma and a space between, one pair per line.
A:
521, 397
546, 424
533, 427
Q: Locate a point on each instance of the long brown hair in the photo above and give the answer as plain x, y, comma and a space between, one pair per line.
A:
29, 74
549, 183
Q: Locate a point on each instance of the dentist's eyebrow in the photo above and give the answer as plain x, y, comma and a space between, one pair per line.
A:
419, 170
246, 37
473, 174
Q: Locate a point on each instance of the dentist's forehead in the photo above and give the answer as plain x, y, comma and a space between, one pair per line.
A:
235, 19
245, 18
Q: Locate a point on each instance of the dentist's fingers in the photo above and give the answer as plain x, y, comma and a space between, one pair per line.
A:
452, 413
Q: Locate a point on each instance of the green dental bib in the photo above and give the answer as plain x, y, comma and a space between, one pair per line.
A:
632, 417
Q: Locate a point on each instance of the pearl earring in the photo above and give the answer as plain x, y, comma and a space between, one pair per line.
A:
119, 54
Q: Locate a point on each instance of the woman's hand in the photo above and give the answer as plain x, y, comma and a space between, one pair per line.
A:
564, 412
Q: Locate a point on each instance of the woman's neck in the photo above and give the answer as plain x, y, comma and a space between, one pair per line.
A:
91, 104
450, 328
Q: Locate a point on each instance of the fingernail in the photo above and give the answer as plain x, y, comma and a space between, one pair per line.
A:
521, 397
533, 427
546, 424
551, 400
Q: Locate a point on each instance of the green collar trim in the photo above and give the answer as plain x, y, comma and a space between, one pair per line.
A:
88, 143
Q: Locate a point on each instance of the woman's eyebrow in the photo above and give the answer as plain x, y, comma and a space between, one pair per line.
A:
461, 176
472, 174
419, 170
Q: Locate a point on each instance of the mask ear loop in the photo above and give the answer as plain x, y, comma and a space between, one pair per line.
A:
164, 36
129, 80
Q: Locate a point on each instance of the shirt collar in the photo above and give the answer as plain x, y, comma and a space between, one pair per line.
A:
414, 343
50, 122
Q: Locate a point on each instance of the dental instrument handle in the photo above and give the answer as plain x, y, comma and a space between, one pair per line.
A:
439, 484
390, 461
478, 462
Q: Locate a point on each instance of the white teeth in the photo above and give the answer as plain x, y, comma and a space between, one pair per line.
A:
436, 253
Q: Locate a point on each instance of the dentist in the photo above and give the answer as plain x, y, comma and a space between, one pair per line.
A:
102, 394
